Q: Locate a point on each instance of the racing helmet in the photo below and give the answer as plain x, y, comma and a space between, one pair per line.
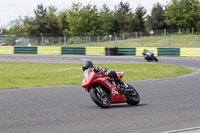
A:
86, 65
144, 50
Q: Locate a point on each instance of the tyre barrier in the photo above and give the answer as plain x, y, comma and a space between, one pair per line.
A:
111, 51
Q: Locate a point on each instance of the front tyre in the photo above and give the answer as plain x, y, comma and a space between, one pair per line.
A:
155, 58
132, 96
100, 97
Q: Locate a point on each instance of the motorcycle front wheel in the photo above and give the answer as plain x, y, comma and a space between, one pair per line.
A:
155, 58
100, 97
132, 96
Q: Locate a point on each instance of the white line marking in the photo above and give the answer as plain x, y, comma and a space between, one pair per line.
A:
181, 130
85, 59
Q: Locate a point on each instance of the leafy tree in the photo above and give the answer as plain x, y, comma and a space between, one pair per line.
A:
138, 20
90, 19
183, 13
52, 19
83, 20
106, 20
4, 31
62, 20
40, 11
122, 15
38, 25
156, 20
44, 22
17, 27
73, 19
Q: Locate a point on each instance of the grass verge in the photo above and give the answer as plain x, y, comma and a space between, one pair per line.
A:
176, 41
20, 75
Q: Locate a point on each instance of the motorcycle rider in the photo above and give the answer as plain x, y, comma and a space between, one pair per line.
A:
145, 51
102, 71
148, 54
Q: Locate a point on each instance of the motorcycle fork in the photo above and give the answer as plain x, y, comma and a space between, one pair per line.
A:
102, 91
99, 89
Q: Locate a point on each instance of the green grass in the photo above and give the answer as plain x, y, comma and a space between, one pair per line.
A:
20, 75
176, 41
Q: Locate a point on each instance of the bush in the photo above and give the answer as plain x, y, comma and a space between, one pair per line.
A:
70, 41
75, 40
105, 39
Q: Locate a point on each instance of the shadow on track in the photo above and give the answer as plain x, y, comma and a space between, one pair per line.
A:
119, 106
126, 105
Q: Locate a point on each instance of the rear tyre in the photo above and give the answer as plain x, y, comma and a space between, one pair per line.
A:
132, 96
101, 98
147, 58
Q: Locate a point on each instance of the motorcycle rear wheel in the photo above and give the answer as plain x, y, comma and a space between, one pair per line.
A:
147, 58
100, 98
132, 96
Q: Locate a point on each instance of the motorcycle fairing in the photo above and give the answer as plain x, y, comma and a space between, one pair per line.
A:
93, 78
120, 74
116, 96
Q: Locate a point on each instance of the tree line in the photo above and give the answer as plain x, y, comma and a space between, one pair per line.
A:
88, 19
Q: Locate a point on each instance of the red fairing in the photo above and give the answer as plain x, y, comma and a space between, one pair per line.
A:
116, 96
87, 84
107, 82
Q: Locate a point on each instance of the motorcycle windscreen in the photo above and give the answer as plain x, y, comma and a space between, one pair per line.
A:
86, 73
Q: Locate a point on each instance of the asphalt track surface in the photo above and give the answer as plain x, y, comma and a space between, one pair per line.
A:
167, 104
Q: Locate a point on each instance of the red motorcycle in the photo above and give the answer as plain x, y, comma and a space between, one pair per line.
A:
104, 91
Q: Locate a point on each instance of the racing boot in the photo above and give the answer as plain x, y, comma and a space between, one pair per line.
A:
113, 75
123, 86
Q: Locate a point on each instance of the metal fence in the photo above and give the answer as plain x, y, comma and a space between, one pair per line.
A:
159, 38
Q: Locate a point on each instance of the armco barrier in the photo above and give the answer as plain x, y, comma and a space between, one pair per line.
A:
25, 50
126, 51
168, 51
6, 50
189, 51
95, 51
73, 50
153, 49
49, 50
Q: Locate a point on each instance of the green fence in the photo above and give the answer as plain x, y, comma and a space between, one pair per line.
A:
168, 51
73, 50
25, 50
